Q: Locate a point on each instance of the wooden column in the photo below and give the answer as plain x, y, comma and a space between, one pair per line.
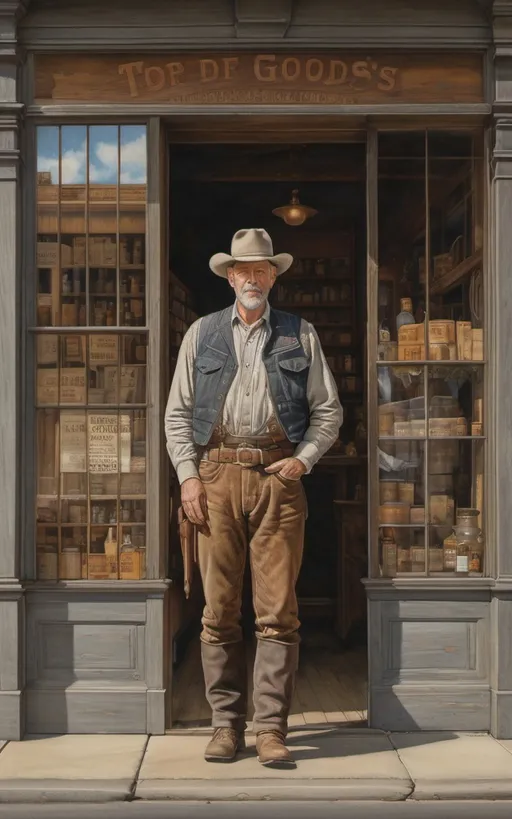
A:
11, 600
499, 344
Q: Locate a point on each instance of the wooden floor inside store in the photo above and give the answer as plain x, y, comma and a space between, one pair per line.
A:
331, 687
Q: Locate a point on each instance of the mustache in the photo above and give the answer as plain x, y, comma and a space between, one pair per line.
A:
248, 287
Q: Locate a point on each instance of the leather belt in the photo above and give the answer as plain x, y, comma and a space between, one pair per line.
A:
246, 455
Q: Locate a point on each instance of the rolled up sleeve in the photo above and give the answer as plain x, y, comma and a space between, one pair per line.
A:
326, 412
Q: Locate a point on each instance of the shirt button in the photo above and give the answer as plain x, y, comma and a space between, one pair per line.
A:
246, 363
247, 393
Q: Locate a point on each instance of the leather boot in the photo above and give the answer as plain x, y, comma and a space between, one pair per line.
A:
225, 678
272, 752
274, 677
224, 745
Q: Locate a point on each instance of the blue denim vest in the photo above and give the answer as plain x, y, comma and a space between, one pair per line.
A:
216, 364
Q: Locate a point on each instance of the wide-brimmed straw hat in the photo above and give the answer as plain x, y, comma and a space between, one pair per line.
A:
252, 245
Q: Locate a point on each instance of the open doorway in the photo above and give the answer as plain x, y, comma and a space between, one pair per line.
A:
214, 191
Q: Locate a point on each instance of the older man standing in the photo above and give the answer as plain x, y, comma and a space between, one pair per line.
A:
253, 405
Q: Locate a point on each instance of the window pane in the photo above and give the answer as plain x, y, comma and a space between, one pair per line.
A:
402, 246
456, 236
132, 224
48, 181
73, 165
91, 386
430, 231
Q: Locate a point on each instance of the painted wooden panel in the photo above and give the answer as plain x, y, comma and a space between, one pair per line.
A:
93, 608
502, 646
501, 714
434, 645
10, 644
132, 12
420, 12
11, 715
85, 712
9, 344
263, 78
75, 646
433, 708
360, 23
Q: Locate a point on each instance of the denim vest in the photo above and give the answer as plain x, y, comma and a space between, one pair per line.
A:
216, 364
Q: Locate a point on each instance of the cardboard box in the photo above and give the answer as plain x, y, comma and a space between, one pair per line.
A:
48, 254
478, 344
411, 333
464, 341
441, 331
411, 352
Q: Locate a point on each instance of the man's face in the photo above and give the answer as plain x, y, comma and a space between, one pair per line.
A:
252, 282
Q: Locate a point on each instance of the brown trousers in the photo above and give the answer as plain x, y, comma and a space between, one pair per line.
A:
262, 516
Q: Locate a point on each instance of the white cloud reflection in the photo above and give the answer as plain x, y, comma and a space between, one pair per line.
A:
103, 161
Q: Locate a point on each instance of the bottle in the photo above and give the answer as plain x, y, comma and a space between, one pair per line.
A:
101, 281
384, 331
469, 542
405, 315
66, 284
111, 319
389, 553
71, 562
462, 565
129, 568
111, 552
137, 251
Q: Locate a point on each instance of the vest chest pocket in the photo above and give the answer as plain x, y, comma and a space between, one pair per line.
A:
207, 364
294, 377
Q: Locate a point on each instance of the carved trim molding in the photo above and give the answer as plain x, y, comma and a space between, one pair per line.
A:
262, 18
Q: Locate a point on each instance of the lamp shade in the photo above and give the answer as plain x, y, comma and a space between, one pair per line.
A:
294, 213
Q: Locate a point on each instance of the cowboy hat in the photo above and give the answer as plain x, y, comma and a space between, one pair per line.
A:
252, 245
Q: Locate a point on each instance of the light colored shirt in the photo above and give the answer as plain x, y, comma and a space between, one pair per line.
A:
248, 405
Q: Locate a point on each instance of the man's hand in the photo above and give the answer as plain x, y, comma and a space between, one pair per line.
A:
291, 468
193, 498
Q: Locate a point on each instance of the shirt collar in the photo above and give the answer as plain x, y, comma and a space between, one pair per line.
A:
235, 315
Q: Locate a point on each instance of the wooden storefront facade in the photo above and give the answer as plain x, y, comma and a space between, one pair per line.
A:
92, 651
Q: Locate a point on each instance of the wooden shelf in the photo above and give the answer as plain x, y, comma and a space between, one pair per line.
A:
342, 460
453, 277
318, 279
96, 266
319, 306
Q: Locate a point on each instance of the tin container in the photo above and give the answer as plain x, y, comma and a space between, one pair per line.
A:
417, 516
441, 331
394, 513
388, 491
406, 493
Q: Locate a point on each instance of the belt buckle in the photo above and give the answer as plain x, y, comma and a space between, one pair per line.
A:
241, 461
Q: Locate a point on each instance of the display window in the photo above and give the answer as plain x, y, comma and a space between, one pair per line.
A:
91, 352
429, 372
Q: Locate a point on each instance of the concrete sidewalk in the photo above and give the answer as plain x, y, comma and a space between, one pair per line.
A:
332, 764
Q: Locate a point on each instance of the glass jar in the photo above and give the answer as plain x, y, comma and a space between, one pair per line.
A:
469, 542
71, 563
47, 561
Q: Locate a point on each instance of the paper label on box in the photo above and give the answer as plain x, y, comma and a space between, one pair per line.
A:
109, 433
72, 385
103, 349
73, 457
47, 386
47, 349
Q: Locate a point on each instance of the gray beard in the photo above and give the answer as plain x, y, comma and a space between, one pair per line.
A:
251, 302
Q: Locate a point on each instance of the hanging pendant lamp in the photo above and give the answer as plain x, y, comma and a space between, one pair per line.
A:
294, 213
